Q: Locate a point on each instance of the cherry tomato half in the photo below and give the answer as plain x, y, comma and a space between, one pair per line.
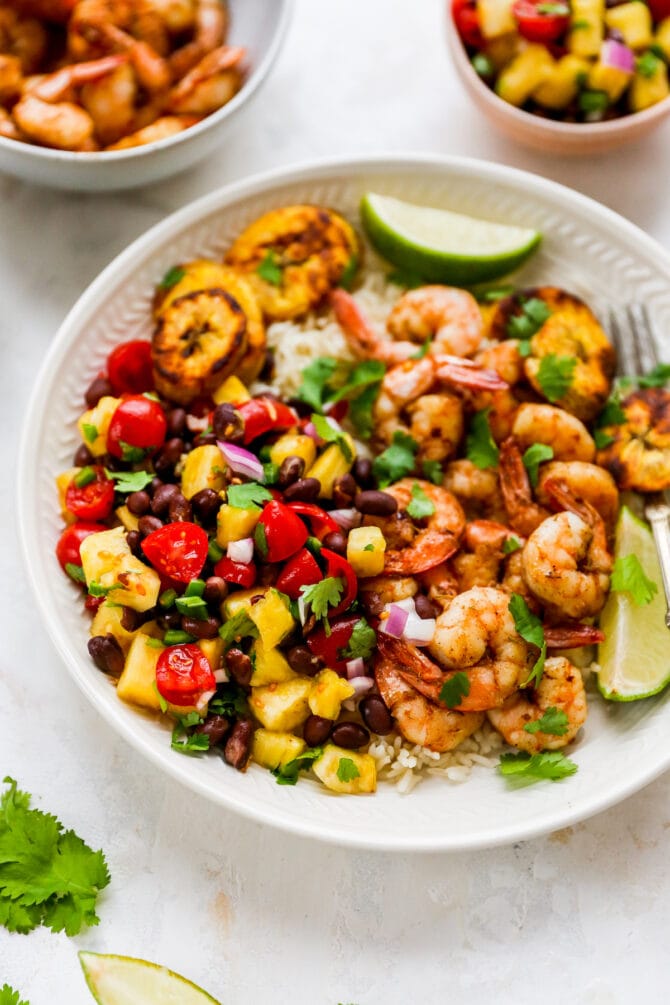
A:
466, 19
129, 368
183, 674
541, 22
67, 549
178, 550
94, 500
137, 422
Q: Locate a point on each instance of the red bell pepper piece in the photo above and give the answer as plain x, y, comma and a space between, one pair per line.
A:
279, 532
240, 573
301, 570
336, 565
320, 522
262, 415
328, 647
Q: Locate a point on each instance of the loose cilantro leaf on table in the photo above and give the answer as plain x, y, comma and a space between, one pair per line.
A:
396, 461
48, 876
658, 377
529, 627
528, 768
535, 455
270, 269
555, 375
554, 722
362, 642
288, 775
480, 447
331, 435
321, 596
347, 770
8, 996
420, 505
249, 495
130, 481
454, 689
629, 576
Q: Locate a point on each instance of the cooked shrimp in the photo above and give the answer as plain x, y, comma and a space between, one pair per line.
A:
110, 102
210, 23
524, 515
64, 125
572, 635
561, 687
161, 129
435, 421
152, 70
57, 11
504, 359
585, 481
23, 37
564, 433
639, 454
440, 584
477, 489
11, 79
8, 127
418, 719
62, 85
448, 316
413, 547
566, 562
210, 84
377, 591
479, 560
179, 15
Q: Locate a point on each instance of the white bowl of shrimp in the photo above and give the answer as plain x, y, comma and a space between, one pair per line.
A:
100, 96
424, 800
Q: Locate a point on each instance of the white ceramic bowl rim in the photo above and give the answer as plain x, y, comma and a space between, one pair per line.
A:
258, 74
569, 810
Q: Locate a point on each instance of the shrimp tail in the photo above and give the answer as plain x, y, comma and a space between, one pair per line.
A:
413, 666
571, 636
467, 373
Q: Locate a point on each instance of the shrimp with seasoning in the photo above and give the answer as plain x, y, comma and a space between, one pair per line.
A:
638, 455
210, 84
440, 585
564, 433
418, 719
585, 481
504, 359
480, 558
523, 513
561, 687
477, 489
209, 21
378, 591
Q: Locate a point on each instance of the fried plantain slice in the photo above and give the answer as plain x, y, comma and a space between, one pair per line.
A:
639, 456
294, 256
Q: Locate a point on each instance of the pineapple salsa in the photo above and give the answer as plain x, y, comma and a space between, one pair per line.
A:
571, 60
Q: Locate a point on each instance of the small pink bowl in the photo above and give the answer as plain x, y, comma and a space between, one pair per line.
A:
569, 138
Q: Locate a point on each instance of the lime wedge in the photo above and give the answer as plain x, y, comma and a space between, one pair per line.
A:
635, 656
122, 980
444, 247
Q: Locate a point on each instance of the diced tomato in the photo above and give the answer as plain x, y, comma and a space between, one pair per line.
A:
320, 522
67, 549
301, 570
129, 368
279, 532
263, 415
183, 674
328, 647
660, 9
336, 566
93, 603
240, 573
92, 501
466, 19
178, 550
541, 21
138, 422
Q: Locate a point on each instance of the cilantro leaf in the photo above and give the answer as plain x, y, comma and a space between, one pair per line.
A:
315, 377
396, 461
288, 774
238, 627
554, 722
270, 268
420, 505
369, 372
230, 700
647, 64
75, 572
454, 689
362, 642
171, 277
360, 410
189, 743
347, 770
628, 576
480, 447
90, 431
131, 454
8, 996
535, 455
432, 470
422, 350
493, 295
331, 435
529, 627
534, 313
555, 375
658, 377
612, 414
261, 540
602, 439
349, 273
130, 481
250, 495
511, 544
326, 381
47, 876
321, 596
527, 768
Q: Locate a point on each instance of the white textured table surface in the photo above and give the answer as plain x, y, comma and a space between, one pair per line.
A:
251, 914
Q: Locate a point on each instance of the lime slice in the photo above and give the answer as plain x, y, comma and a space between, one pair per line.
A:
122, 980
444, 247
635, 656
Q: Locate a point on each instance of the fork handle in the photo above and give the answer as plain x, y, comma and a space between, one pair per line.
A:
660, 526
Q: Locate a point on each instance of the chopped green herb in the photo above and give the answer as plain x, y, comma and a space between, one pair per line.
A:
369, 547
432, 470
84, 477
175, 637
593, 101
270, 473
658, 377
90, 431
214, 551
131, 454
8, 996
602, 439
529, 627
492, 296
349, 274
347, 770
288, 774
454, 689
554, 722
550, 764
195, 588
628, 576
261, 540
360, 410
362, 642
130, 481
321, 596
75, 572
396, 461
480, 447
331, 435
525, 348
270, 269
559, 9
647, 64
238, 627
250, 496
535, 455
189, 743
580, 26
612, 414
171, 277
314, 389
534, 313
192, 607
555, 375
420, 505
482, 65
422, 350
229, 701
366, 374
153, 644
510, 545
96, 589
161, 700
167, 598
326, 381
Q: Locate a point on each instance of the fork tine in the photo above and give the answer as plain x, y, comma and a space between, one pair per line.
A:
644, 337
623, 343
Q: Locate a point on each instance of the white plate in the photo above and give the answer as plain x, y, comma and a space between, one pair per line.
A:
587, 249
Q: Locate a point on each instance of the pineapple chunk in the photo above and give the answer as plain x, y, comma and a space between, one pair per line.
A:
282, 707
293, 445
562, 83
137, 683
213, 650
366, 547
524, 74
108, 621
62, 482
128, 519
662, 38
275, 750
108, 561
633, 20
587, 27
495, 17
94, 424
272, 618
234, 523
332, 464
327, 766
270, 666
328, 692
608, 79
232, 390
240, 600
648, 89
502, 50
204, 468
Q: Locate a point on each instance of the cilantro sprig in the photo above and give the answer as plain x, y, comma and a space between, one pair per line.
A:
396, 461
420, 506
628, 576
455, 689
511, 544
534, 312
658, 377
249, 495
480, 447
528, 768
130, 481
535, 455
321, 596
432, 470
288, 774
347, 770
185, 742
171, 278
553, 722
362, 642
555, 375
327, 381
270, 268
529, 627
330, 434
238, 627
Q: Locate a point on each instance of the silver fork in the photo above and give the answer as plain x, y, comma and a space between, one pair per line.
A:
637, 353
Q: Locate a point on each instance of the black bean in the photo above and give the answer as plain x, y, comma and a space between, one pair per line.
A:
168, 455
162, 498
139, 502
180, 508
425, 608
291, 469
201, 629
216, 590
206, 504
204, 439
304, 490
344, 490
216, 727
268, 366
176, 421
362, 472
97, 389
376, 503
130, 619
169, 619
238, 745
133, 537
303, 661
350, 735
82, 457
376, 715
113, 463
267, 573
239, 666
148, 524
106, 653
154, 485
316, 730
336, 541
227, 423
